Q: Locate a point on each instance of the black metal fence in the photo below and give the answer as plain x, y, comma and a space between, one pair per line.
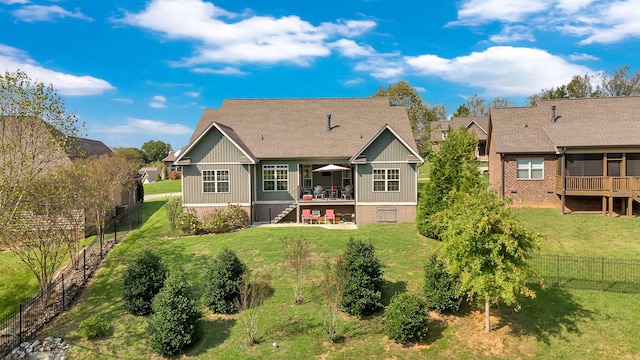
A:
24, 322
579, 272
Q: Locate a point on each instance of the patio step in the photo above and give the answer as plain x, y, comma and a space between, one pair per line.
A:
284, 213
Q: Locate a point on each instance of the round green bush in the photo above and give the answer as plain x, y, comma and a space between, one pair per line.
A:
94, 327
222, 283
363, 293
142, 280
189, 224
406, 318
174, 323
441, 289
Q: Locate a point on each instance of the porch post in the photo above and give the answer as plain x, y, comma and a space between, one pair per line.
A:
604, 205
610, 205
629, 206
564, 180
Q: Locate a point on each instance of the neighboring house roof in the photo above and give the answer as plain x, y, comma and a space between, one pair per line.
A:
170, 158
480, 122
288, 128
150, 172
84, 148
589, 122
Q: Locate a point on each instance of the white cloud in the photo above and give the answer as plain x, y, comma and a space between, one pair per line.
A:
12, 59
594, 21
582, 57
10, 2
123, 100
227, 70
382, 67
227, 38
511, 34
33, 13
142, 126
501, 70
193, 94
158, 102
350, 48
353, 82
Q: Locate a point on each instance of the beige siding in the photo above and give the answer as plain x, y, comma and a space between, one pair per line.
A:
408, 184
386, 148
239, 185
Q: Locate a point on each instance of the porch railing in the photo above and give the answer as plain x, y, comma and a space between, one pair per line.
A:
600, 183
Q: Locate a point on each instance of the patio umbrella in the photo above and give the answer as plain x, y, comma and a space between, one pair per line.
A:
331, 168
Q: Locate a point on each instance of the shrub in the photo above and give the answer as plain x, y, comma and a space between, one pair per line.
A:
441, 289
236, 216
216, 222
363, 293
222, 283
142, 280
174, 175
189, 224
93, 327
174, 322
173, 205
331, 288
406, 318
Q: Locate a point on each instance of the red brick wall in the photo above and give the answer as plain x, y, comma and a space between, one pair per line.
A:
525, 192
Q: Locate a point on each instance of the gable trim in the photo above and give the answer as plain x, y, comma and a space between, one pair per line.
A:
244, 151
355, 158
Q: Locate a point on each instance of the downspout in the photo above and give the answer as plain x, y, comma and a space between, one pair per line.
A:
502, 177
564, 179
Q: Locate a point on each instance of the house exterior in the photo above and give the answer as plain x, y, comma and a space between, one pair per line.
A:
572, 154
261, 154
149, 174
477, 124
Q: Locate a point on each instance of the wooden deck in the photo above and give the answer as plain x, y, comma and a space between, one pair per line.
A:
616, 186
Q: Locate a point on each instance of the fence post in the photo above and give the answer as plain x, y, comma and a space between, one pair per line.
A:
20, 327
602, 276
115, 228
62, 292
84, 265
558, 271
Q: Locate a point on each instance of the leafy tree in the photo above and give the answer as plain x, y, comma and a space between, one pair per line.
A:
173, 205
297, 251
174, 323
462, 111
33, 122
133, 155
142, 280
254, 290
332, 286
621, 82
155, 150
223, 282
578, 87
364, 287
406, 318
454, 166
442, 290
488, 247
420, 113
477, 106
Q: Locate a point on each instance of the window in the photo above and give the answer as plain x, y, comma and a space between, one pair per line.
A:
215, 181
530, 168
386, 179
275, 177
444, 134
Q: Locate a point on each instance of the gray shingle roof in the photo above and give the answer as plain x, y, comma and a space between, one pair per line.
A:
288, 128
592, 122
481, 121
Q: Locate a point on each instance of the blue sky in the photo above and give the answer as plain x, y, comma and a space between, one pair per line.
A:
135, 71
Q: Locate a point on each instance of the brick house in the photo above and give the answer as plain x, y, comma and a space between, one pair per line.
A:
476, 124
572, 154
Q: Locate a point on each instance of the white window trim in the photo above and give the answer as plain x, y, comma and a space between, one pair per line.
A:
275, 167
529, 168
216, 181
386, 180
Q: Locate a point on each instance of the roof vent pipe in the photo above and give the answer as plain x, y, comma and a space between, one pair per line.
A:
553, 114
328, 122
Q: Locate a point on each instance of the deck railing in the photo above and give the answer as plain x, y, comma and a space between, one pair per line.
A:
600, 183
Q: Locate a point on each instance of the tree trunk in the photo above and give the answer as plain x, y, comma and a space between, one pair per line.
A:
487, 320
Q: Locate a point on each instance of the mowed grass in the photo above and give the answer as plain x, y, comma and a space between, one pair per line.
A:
560, 324
163, 187
17, 283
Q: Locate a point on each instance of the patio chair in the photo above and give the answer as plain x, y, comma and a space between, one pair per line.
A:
318, 192
315, 215
330, 215
346, 192
306, 215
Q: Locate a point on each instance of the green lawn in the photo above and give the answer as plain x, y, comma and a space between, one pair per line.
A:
559, 324
17, 283
163, 187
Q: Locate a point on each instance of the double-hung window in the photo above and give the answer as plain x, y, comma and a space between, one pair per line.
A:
530, 168
275, 177
386, 180
215, 181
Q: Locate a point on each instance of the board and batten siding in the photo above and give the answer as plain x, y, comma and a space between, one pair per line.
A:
386, 152
290, 195
408, 185
216, 152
